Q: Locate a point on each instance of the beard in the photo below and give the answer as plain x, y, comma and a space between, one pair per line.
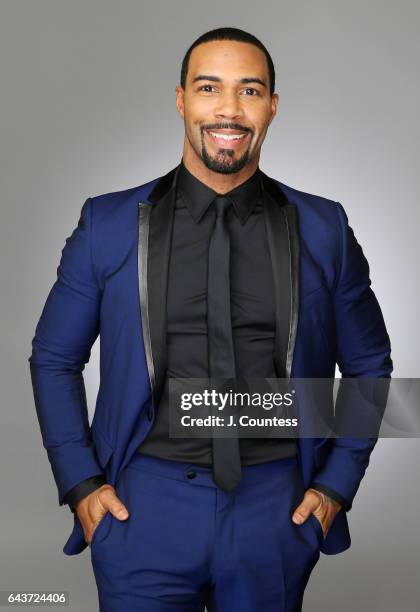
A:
223, 162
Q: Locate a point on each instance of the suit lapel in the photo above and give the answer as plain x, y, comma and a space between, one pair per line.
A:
155, 230
283, 241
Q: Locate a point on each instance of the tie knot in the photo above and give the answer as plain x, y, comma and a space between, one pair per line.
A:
222, 203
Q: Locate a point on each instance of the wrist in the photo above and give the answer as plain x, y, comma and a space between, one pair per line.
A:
327, 500
83, 503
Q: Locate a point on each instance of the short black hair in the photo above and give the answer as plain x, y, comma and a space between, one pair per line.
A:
228, 34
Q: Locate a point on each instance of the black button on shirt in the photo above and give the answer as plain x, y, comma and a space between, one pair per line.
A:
252, 310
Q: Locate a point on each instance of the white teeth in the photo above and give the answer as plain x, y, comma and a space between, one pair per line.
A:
227, 136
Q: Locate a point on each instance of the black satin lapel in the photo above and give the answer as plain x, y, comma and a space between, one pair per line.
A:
294, 244
159, 244
283, 240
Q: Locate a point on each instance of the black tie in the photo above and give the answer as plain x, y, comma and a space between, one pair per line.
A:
226, 452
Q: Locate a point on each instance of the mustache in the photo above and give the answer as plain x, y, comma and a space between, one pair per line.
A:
226, 126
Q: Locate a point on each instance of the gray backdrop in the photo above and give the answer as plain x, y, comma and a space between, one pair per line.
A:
88, 106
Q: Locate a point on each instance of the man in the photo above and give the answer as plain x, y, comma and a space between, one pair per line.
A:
212, 269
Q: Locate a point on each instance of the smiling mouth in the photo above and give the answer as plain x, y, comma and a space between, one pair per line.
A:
227, 138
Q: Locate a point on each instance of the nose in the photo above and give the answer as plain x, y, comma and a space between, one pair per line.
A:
229, 106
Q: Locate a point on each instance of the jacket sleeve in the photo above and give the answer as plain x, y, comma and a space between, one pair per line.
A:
363, 350
64, 335
333, 494
82, 490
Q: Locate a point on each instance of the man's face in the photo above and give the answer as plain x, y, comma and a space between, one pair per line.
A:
226, 120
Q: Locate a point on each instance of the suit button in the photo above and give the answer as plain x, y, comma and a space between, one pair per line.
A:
191, 474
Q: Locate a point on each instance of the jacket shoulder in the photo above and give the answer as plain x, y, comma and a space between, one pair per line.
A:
108, 202
317, 213
319, 227
305, 200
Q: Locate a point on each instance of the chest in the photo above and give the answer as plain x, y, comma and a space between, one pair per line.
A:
251, 275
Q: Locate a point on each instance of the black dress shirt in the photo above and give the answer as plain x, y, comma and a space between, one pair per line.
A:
252, 310
252, 313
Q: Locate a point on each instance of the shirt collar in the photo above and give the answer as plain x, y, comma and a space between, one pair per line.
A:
197, 196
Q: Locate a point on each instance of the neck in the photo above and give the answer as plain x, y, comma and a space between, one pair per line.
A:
222, 183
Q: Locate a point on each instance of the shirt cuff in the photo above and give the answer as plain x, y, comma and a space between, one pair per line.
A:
82, 489
331, 493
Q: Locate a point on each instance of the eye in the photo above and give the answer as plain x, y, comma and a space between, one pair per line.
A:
253, 89
202, 87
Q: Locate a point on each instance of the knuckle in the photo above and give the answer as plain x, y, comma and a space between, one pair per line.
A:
105, 490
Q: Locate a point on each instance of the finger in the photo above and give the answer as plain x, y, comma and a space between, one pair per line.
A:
111, 502
322, 499
309, 503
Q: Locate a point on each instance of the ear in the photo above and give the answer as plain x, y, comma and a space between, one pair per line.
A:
274, 102
179, 100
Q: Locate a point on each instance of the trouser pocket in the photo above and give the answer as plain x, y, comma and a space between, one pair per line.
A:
318, 528
99, 533
312, 522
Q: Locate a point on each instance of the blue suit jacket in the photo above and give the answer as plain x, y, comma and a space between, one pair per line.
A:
111, 281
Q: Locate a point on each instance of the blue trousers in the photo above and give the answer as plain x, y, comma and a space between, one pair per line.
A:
189, 546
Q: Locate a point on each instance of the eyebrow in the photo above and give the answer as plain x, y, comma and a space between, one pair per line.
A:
206, 77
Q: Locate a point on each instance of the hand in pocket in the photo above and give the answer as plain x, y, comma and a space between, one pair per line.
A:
92, 509
323, 508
